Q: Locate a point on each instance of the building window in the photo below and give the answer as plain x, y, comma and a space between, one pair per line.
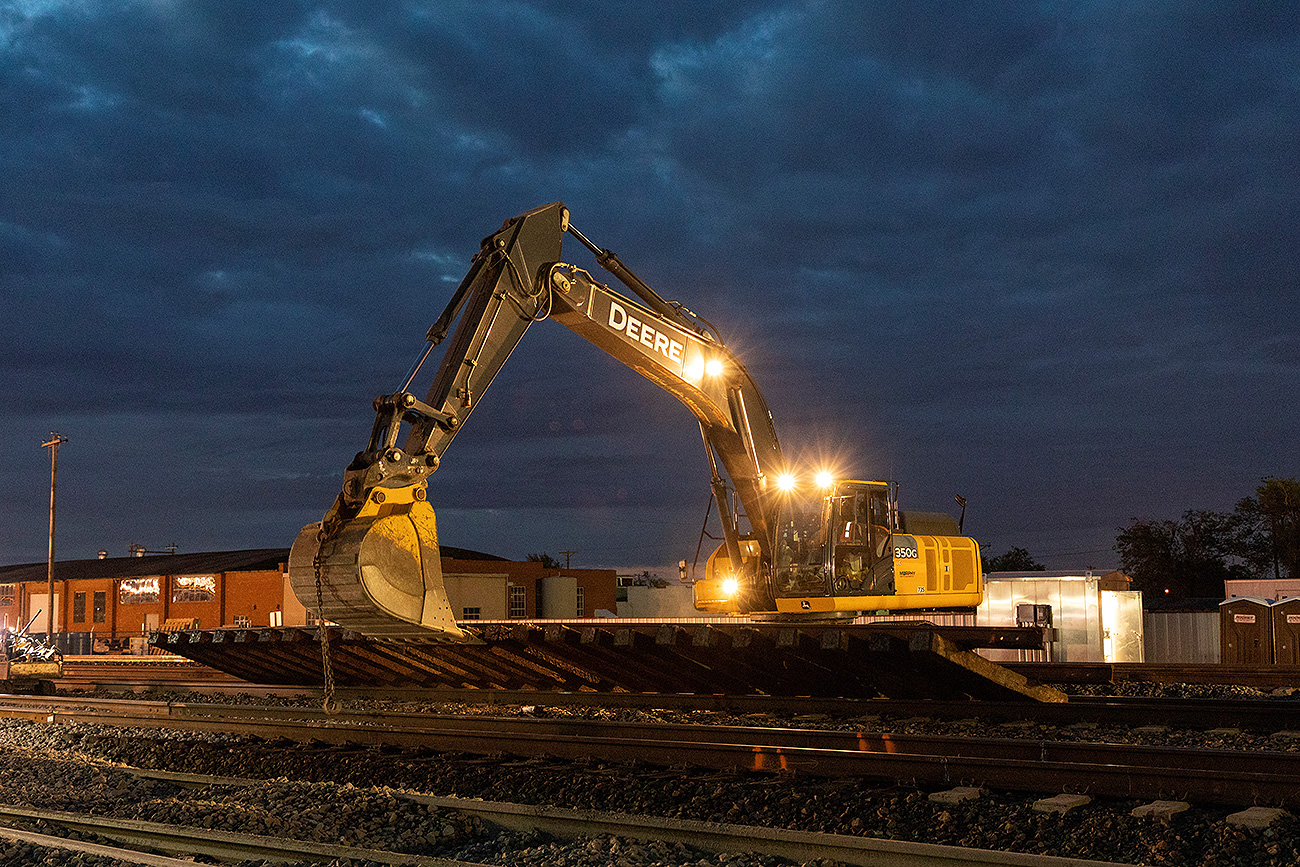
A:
243, 621
139, 591
194, 588
78, 607
471, 613
518, 602
101, 606
582, 602
6, 594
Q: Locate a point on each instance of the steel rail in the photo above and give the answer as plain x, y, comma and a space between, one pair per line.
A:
798, 846
858, 740
165, 668
1247, 714
129, 856
1121, 770
715, 837
1264, 762
223, 845
1262, 676
1265, 715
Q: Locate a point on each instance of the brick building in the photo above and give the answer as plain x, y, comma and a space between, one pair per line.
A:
122, 597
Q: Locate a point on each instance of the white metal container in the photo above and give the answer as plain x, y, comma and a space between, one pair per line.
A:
1090, 624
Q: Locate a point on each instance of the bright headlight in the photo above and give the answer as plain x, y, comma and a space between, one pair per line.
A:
730, 586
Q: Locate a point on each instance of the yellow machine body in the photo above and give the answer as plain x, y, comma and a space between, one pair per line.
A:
944, 572
719, 592
848, 555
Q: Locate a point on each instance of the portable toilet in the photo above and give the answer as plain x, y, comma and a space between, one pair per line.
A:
1286, 631
1246, 631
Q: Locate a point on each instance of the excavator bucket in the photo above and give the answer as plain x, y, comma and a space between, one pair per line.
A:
378, 573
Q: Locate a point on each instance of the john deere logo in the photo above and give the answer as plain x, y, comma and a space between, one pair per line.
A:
805, 604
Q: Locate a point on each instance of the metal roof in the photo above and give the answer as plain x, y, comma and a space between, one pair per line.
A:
209, 562
254, 560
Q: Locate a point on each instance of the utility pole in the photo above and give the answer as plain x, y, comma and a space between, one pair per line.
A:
53, 446
566, 558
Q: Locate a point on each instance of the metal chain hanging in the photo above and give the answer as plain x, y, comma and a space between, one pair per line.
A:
329, 703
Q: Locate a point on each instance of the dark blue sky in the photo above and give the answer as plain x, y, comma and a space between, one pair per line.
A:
1041, 255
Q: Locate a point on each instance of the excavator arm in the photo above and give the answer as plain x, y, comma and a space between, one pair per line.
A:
372, 564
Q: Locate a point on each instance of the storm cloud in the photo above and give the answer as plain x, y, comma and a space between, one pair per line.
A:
1041, 255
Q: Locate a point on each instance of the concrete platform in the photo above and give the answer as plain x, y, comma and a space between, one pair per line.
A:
857, 661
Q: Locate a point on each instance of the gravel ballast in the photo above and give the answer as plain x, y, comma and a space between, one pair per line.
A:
349, 795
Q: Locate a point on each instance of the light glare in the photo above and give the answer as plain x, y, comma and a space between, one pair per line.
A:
693, 370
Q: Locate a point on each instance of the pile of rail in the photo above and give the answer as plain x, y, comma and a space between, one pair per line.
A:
897, 660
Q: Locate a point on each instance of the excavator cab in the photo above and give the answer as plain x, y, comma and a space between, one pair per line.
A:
860, 522
829, 539
844, 549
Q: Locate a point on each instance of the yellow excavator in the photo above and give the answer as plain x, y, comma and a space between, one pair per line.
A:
814, 546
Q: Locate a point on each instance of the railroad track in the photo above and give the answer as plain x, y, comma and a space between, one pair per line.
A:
163, 668
798, 846
1014, 764
1258, 676
141, 839
174, 675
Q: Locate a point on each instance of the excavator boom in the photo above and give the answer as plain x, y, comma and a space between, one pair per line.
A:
372, 563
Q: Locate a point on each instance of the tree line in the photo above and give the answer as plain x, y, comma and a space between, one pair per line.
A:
1194, 555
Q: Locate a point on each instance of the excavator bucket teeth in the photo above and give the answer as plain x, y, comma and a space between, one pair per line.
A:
379, 573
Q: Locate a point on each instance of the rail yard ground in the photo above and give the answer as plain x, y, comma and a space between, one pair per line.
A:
350, 793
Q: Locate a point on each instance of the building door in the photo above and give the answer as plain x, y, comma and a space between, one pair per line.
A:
1121, 622
39, 603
